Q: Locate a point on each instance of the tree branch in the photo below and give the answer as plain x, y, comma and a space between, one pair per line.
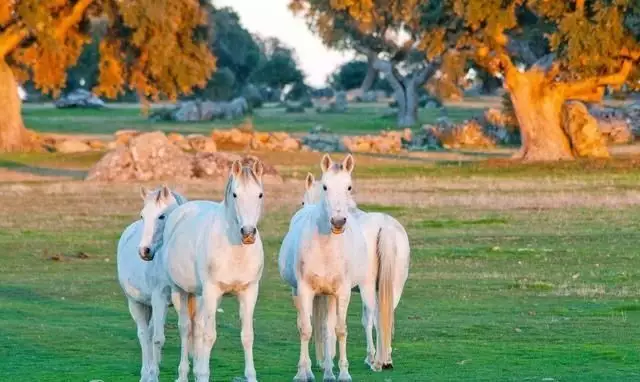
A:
588, 86
386, 67
10, 39
427, 72
76, 15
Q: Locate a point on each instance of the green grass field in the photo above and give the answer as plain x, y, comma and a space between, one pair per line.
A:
521, 276
518, 272
359, 120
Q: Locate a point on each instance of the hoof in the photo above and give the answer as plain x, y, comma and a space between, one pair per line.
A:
346, 378
387, 366
308, 377
329, 379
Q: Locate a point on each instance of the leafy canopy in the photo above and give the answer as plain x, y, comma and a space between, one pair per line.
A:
156, 47
588, 38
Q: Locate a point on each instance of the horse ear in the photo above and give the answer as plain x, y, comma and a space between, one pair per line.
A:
165, 192
308, 182
236, 168
143, 192
258, 168
349, 163
326, 163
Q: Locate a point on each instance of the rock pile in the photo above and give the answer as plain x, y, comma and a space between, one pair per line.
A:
194, 111
152, 156
469, 134
79, 98
501, 127
583, 131
616, 124
386, 143
323, 140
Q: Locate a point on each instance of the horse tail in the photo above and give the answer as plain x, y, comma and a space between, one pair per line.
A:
191, 308
386, 251
319, 317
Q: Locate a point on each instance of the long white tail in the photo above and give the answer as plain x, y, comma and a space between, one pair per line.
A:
319, 319
386, 249
191, 305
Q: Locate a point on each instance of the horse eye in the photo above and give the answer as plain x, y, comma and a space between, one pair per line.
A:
161, 217
303, 203
235, 195
141, 217
349, 188
260, 196
324, 187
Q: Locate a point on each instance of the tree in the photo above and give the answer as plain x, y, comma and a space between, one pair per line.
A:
278, 65
374, 28
350, 75
156, 48
234, 47
571, 50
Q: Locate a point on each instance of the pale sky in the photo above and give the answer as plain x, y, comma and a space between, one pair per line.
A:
273, 18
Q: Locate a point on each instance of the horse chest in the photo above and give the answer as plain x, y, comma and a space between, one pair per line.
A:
325, 270
234, 273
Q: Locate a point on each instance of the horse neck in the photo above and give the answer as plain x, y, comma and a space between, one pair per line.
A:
229, 204
322, 216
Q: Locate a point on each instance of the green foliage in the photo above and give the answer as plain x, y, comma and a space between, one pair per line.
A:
233, 45
278, 65
349, 75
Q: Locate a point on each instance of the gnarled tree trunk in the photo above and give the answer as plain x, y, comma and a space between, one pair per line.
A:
407, 99
13, 135
539, 113
550, 127
405, 89
370, 77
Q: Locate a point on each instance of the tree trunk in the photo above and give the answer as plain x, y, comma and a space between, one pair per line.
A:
539, 113
13, 135
407, 100
370, 78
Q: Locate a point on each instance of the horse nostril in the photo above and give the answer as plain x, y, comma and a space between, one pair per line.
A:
248, 231
338, 222
146, 250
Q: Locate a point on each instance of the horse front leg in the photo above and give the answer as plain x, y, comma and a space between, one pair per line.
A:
205, 332
180, 302
159, 306
330, 340
341, 333
141, 315
247, 300
304, 305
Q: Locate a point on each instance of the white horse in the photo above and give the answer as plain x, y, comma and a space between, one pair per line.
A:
212, 249
390, 242
140, 278
323, 256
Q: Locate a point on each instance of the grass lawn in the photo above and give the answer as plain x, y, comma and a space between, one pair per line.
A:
358, 120
520, 274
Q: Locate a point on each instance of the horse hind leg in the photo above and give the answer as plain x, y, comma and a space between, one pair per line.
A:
369, 321
141, 314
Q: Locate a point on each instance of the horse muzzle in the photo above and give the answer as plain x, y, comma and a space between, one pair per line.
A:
338, 225
248, 235
145, 253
